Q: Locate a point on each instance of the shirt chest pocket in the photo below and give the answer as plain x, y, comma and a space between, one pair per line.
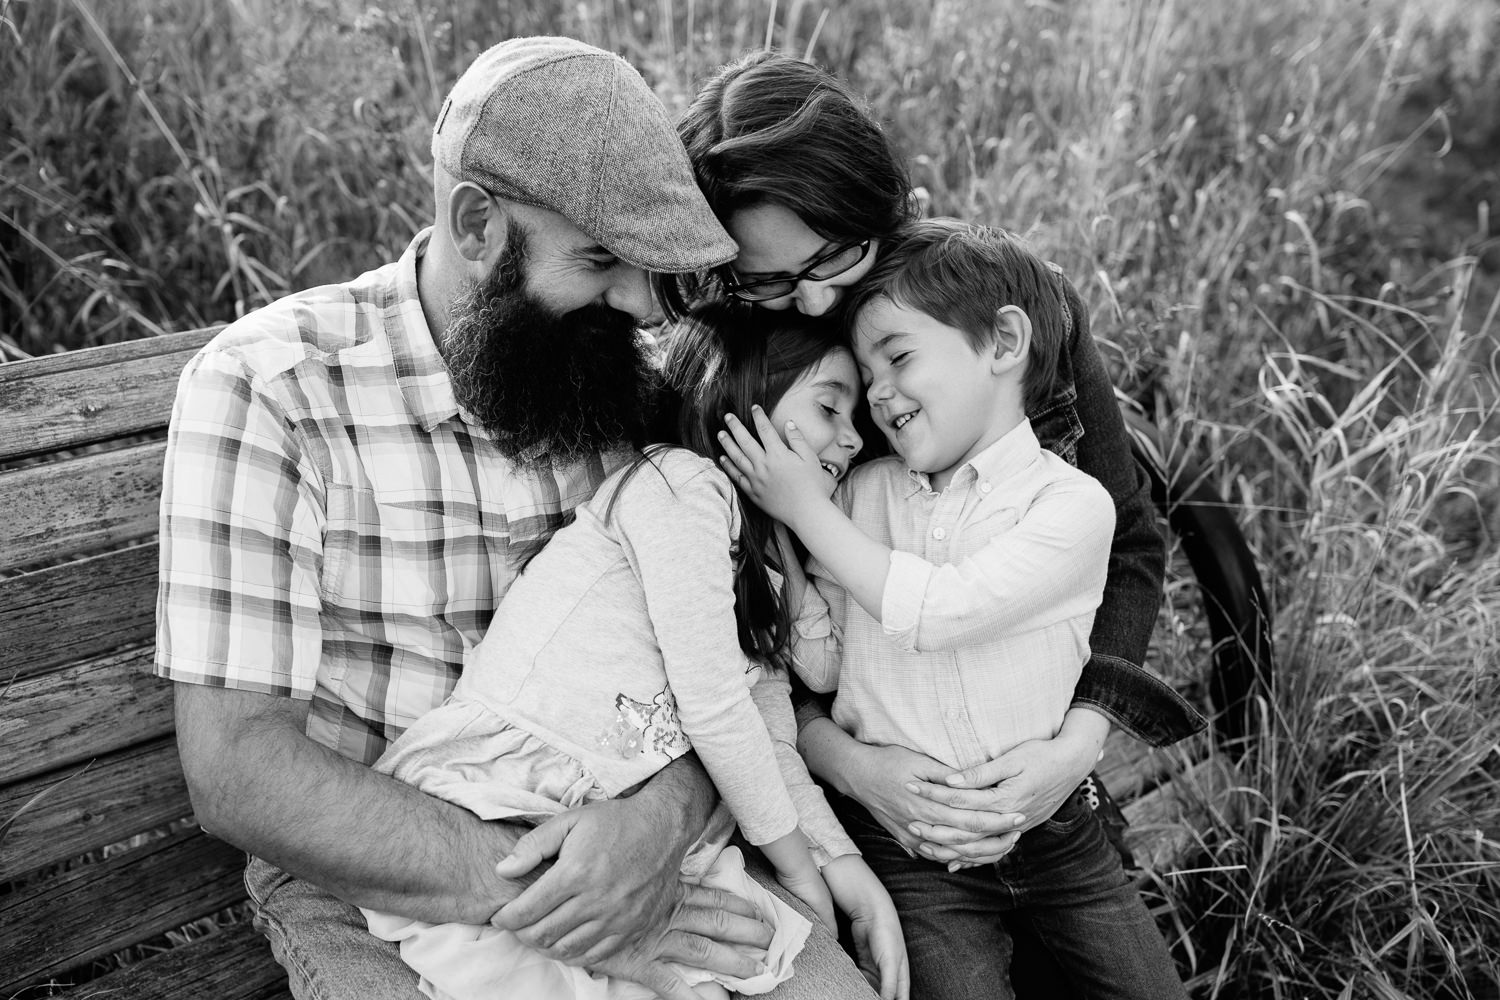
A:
984, 529
405, 560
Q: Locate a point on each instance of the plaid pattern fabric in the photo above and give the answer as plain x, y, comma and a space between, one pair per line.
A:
986, 609
333, 528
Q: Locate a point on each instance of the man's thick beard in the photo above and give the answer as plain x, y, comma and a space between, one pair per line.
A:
547, 386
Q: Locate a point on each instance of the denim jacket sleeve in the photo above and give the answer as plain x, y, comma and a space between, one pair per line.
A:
1082, 424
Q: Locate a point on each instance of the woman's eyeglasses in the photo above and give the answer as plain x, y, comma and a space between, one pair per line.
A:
832, 264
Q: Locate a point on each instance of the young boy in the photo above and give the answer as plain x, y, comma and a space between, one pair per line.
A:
959, 580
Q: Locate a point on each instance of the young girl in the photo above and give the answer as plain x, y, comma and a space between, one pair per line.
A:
623, 646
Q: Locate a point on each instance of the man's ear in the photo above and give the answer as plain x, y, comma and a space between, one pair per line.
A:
1012, 338
477, 220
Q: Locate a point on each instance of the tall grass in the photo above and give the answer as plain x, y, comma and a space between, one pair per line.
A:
1276, 212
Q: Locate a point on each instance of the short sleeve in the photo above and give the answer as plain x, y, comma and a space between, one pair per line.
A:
241, 538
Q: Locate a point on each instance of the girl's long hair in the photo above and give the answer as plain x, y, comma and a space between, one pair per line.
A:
723, 358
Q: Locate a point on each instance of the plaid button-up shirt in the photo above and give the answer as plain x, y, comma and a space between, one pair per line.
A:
987, 605
333, 528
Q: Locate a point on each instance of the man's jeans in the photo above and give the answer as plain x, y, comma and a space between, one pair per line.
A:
1063, 883
329, 954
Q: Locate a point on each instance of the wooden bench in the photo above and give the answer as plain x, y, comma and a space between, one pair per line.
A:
88, 760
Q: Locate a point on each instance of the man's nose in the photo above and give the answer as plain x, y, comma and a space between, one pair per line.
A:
631, 293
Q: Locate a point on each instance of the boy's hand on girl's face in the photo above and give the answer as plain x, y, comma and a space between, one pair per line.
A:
782, 479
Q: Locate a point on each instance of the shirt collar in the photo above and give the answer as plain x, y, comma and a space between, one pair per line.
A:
1016, 450
420, 371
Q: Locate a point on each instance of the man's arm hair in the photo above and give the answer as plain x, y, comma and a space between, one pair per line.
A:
257, 781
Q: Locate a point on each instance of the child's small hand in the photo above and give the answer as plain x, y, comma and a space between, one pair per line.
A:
798, 874
808, 886
878, 943
782, 479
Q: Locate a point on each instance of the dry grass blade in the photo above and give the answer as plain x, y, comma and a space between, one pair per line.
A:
30, 803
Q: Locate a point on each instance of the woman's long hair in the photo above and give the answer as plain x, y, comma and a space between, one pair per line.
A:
724, 358
771, 129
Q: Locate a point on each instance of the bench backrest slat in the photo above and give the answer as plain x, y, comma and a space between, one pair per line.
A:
85, 807
72, 714
88, 753
76, 610
79, 505
69, 400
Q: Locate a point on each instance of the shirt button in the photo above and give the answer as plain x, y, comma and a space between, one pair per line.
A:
985, 486
953, 714
939, 533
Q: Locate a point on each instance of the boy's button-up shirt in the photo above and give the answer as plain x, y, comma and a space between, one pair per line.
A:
332, 527
987, 605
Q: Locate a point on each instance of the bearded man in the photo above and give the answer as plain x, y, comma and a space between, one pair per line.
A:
354, 476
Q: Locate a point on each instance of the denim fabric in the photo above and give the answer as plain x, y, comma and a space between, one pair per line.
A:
323, 942
1082, 424
1062, 889
330, 954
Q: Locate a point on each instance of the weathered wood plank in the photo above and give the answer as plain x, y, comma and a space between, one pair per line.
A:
1164, 823
75, 610
79, 505
1131, 769
58, 718
1122, 766
67, 400
234, 964
65, 921
81, 808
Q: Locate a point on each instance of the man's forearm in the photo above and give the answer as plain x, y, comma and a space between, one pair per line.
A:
258, 782
685, 790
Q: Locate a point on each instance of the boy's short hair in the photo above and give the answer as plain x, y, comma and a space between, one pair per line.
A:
962, 275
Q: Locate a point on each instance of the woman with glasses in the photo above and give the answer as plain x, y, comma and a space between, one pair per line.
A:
810, 187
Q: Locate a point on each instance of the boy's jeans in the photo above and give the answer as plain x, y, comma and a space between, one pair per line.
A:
1063, 882
329, 954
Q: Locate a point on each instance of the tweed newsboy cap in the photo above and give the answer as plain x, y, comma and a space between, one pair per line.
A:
561, 125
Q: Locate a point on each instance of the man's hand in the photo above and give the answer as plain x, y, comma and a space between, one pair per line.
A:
614, 888
626, 914
707, 929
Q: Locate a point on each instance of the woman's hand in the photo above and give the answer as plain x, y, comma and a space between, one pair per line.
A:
878, 945
900, 788
1031, 781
